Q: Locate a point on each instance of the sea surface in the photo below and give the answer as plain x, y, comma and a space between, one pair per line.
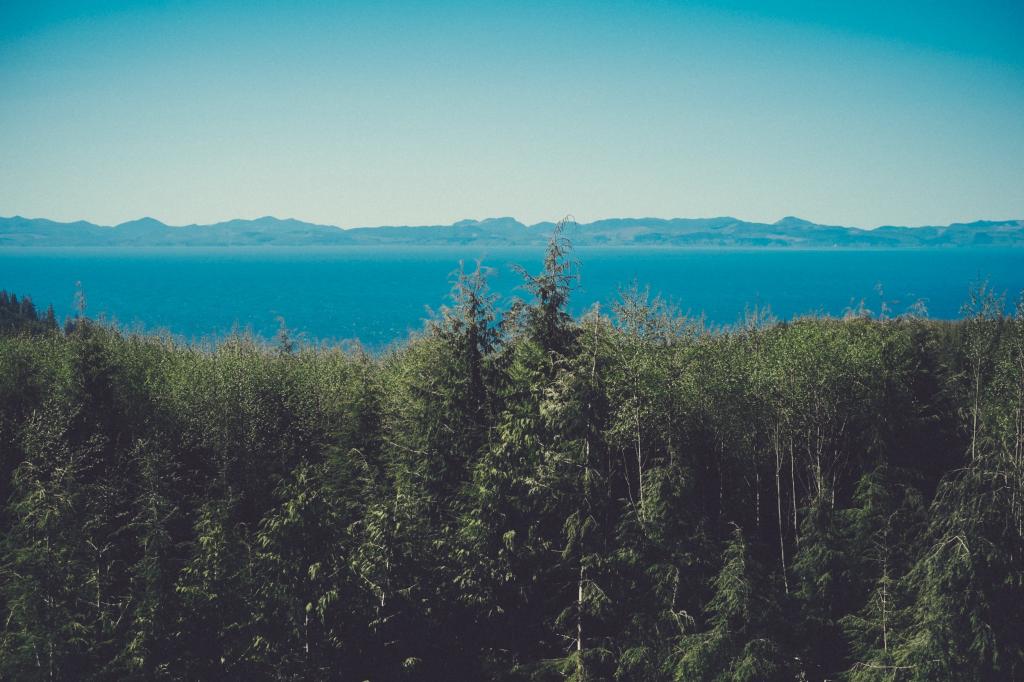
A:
380, 295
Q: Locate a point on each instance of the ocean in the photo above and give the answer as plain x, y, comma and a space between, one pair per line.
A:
380, 295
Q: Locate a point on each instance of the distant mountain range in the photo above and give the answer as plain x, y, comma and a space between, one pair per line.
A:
674, 232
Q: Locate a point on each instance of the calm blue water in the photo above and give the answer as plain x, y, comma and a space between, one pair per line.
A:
380, 294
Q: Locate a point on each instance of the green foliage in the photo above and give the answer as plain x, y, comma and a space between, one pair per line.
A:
745, 624
517, 496
21, 316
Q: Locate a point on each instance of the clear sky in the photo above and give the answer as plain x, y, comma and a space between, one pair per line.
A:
857, 113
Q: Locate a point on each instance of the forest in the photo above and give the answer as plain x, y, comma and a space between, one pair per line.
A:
514, 493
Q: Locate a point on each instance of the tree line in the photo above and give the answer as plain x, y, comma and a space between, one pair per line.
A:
22, 317
518, 496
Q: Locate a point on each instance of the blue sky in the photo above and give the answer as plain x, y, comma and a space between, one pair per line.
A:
396, 113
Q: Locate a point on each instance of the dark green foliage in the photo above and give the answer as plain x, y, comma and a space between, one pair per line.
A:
21, 316
746, 626
525, 496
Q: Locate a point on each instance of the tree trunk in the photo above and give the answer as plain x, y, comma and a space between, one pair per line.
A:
639, 456
974, 417
792, 482
757, 498
778, 502
580, 668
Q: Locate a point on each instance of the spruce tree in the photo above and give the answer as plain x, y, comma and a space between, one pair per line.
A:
745, 635
47, 633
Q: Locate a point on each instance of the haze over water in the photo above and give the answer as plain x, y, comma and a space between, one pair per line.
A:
379, 295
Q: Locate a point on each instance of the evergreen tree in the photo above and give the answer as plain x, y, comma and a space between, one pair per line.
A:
149, 652
47, 633
745, 635
821, 584
542, 498
881, 531
304, 591
216, 591
548, 323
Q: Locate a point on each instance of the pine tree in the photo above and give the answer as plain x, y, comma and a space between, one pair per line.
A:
745, 634
879, 533
149, 651
573, 488
963, 622
216, 591
822, 591
304, 590
47, 633
510, 524
548, 323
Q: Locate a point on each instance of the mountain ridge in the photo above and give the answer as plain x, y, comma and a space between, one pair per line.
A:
720, 231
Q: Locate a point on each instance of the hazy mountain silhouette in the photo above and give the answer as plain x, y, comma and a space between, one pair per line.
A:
789, 232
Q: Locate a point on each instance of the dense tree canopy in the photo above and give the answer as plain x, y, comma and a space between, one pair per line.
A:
624, 496
21, 316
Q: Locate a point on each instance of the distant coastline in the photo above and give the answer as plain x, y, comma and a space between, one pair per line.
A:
721, 232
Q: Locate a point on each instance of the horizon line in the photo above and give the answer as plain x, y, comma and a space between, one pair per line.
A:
567, 218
